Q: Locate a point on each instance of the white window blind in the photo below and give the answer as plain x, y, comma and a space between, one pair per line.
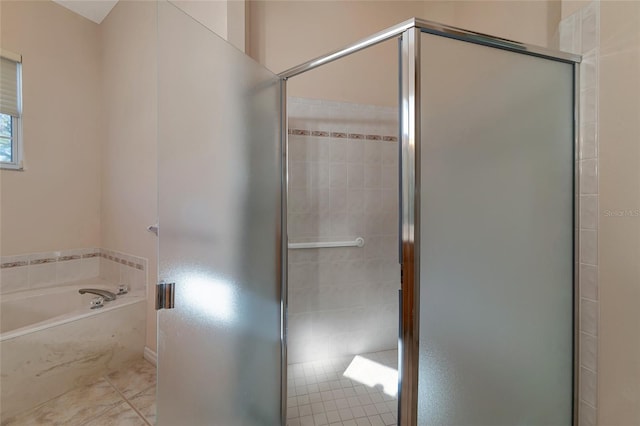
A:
9, 83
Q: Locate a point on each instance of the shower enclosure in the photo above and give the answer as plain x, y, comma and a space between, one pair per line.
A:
486, 155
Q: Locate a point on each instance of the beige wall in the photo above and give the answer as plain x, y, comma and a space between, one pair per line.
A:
533, 22
569, 7
283, 34
619, 237
224, 17
55, 203
129, 172
212, 14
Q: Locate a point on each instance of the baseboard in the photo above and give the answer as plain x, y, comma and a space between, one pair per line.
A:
150, 356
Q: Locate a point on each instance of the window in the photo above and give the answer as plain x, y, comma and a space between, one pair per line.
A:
10, 110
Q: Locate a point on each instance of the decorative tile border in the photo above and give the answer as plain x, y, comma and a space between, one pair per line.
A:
299, 132
13, 264
36, 259
50, 257
124, 268
65, 258
123, 259
50, 269
47, 269
341, 135
44, 260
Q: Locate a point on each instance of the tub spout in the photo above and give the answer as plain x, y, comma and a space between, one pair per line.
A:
108, 296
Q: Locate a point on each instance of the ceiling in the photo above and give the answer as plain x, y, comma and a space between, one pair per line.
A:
95, 10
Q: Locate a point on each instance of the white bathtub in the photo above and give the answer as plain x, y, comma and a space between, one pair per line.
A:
51, 341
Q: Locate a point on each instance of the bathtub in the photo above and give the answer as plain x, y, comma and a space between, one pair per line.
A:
51, 341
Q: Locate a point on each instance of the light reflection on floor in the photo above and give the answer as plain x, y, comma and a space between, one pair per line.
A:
372, 374
350, 391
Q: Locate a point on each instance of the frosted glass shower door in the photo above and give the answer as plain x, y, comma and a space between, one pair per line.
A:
219, 177
496, 169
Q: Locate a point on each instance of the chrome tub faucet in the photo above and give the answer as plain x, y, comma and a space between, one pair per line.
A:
106, 294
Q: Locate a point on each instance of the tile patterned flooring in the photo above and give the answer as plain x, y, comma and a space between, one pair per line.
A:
319, 394
123, 398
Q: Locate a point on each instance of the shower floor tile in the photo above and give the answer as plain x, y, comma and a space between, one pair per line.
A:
357, 390
123, 398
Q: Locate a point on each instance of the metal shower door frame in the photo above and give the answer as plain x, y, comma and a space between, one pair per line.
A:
408, 33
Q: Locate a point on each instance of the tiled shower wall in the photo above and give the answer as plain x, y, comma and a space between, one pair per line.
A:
49, 269
580, 33
343, 184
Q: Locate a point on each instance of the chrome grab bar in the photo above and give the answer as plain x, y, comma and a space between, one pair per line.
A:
358, 242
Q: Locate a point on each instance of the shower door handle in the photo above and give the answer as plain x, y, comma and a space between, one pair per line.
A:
165, 295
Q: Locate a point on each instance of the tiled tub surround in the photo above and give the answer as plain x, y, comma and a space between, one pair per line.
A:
51, 341
580, 33
343, 184
124, 268
37, 270
52, 269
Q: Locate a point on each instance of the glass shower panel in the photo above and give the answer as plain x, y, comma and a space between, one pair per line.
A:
496, 159
219, 160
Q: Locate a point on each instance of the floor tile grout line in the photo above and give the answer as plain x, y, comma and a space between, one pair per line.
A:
379, 411
136, 409
126, 400
38, 406
120, 397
